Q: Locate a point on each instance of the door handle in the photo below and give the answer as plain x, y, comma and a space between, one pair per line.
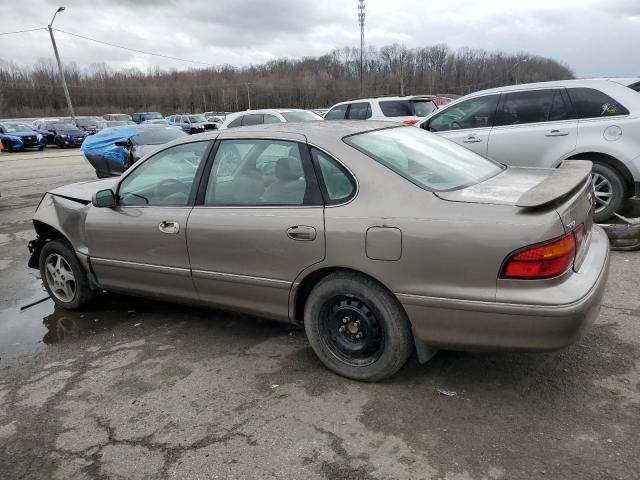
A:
301, 232
556, 133
169, 226
472, 139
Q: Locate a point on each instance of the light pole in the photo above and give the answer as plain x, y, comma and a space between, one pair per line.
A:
524, 60
55, 50
361, 19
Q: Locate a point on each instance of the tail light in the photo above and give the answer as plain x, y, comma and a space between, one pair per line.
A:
545, 260
410, 122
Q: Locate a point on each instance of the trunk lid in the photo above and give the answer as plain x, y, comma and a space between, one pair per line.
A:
567, 188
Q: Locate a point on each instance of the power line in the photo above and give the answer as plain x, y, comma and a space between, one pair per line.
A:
21, 31
135, 50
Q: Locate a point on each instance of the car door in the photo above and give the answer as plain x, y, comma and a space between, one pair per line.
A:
139, 246
533, 128
468, 123
257, 224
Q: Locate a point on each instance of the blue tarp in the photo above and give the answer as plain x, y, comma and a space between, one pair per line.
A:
103, 143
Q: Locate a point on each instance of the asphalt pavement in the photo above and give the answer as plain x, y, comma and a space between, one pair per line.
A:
135, 389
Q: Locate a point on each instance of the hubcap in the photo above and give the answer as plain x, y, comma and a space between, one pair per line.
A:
602, 190
60, 278
352, 331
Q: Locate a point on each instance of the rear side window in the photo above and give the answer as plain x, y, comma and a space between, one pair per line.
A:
337, 113
396, 108
235, 123
592, 103
525, 107
268, 118
338, 185
559, 110
359, 111
255, 119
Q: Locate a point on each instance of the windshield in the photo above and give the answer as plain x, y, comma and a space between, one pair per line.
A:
197, 119
16, 127
431, 162
422, 108
300, 116
157, 136
59, 126
151, 115
90, 122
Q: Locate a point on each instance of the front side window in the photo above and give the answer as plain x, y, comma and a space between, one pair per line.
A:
359, 111
260, 172
339, 186
592, 103
428, 161
165, 179
473, 113
525, 107
337, 113
268, 118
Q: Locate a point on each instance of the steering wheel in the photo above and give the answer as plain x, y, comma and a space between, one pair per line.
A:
455, 125
176, 186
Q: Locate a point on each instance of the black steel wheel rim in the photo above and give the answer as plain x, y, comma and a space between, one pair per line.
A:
351, 331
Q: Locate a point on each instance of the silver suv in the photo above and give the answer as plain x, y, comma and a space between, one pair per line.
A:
542, 124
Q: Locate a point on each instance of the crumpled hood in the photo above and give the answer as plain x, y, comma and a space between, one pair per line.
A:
83, 191
524, 187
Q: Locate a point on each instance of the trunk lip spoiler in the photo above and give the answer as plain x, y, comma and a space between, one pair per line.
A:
564, 179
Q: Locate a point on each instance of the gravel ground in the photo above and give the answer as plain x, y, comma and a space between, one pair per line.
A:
133, 389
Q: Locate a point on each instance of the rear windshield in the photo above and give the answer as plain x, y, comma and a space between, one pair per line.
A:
157, 136
428, 161
300, 116
407, 108
151, 115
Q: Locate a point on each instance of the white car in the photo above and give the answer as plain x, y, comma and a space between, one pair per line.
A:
259, 117
407, 110
543, 124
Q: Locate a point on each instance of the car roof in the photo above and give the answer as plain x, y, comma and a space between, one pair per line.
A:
575, 83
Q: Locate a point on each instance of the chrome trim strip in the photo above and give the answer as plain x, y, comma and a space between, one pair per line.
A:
246, 279
141, 266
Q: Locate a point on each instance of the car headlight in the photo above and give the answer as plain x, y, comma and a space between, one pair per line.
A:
64, 136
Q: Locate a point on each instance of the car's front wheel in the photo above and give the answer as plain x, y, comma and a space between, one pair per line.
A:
64, 278
609, 190
357, 328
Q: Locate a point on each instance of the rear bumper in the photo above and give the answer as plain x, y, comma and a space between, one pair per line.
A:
478, 325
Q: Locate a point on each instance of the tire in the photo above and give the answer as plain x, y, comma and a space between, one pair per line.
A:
69, 293
40, 149
344, 305
607, 181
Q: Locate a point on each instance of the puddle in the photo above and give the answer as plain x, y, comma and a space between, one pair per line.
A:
31, 330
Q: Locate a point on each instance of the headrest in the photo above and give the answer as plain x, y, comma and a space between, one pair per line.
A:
288, 168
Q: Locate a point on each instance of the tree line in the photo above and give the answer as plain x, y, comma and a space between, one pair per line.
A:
309, 82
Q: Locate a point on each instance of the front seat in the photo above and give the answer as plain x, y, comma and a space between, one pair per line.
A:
289, 186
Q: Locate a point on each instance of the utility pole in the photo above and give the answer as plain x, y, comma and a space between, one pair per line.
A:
361, 18
248, 97
55, 50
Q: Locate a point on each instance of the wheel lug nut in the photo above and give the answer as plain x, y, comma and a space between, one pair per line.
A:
358, 336
342, 329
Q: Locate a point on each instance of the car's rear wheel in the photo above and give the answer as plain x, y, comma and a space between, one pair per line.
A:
64, 278
609, 190
357, 328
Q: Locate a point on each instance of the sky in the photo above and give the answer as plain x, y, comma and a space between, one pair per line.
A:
593, 37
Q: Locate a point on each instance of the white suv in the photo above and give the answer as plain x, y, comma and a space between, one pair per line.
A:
268, 115
542, 124
408, 110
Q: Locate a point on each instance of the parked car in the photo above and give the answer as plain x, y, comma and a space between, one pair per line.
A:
543, 124
259, 117
287, 221
61, 133
90, 125
142, 116
191, 123
157, 121
218, 120
116, 117
407, 110
112, 150
215, 114
16, 137
119, 123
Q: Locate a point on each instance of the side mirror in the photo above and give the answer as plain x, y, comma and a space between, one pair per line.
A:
122, 143
104, 199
